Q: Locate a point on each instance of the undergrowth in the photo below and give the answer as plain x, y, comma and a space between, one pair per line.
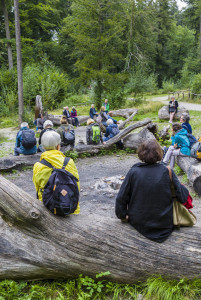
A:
85, 287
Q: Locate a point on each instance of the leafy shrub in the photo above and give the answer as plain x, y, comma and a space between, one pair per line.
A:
168, 86
196, 84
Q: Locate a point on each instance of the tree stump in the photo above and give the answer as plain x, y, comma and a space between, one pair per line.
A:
163, 113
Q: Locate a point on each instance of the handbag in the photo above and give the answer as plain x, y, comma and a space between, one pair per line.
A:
181, 215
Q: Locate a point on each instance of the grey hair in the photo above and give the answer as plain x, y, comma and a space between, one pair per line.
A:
185, 117
172, 97
50, 140
109, 121
47, 123
24, 124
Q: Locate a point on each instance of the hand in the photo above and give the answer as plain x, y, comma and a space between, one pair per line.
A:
125, 220
175, 146
104, 143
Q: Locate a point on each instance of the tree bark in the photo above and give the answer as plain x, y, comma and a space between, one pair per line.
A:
122, 124
35, 244
133, 140
82, 148
192, 168
19, 61
125, 113
10, 56
15, 162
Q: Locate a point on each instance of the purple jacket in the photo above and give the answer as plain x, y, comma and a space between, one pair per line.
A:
73, 114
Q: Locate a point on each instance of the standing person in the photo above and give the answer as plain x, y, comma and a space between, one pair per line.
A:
181, 145
173, 104
93, 133
47, 125
41, 173
66, 132
145, 199
106, 105
92, 112
74, 117
184, 120
25, 141
67, 114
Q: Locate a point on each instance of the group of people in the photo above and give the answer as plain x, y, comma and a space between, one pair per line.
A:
145, 197
71, 116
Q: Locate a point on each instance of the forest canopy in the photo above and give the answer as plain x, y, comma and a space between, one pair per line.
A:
108, 48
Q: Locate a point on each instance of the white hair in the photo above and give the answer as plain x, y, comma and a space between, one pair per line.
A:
50, 140
24, 124
47, 123
109, 121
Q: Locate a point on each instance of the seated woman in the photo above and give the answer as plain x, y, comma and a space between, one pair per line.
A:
47, 125
93, 133
104, 116
66, 132
41, 173
145, 199
181, 145
184, 120
112, 130
39, 122
73, 115
173, 104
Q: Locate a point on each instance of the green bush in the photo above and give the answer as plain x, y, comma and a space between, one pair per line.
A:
196, 84
168, 86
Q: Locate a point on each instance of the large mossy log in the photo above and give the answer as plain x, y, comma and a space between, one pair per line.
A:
163, 113
13, 162
192, 167
35, 244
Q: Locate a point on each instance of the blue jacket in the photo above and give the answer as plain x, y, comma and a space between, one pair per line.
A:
19, 143
187, 126
182, 141
92, 113
110, 132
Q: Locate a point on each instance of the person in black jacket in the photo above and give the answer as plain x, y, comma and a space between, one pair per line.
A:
145, 199
173, 104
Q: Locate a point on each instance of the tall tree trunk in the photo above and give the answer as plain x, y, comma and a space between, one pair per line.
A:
200, 35
19, 61
10, 56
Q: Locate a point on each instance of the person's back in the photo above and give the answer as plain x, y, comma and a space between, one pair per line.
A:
182, 141
93, 133
145, 197
55, 157
67, 134
25, 141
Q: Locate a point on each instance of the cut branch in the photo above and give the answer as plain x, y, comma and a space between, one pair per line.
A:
122, 124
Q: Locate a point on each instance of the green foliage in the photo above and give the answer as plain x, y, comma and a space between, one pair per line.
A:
168, 86
178, 170
196, 84
72, 154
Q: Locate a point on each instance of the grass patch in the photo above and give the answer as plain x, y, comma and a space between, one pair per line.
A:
85, 287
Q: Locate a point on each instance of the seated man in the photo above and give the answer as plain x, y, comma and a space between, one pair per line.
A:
47, 125
51, 143
93, 133
40, 121
66, 132
25, 141
92, 112
112, 130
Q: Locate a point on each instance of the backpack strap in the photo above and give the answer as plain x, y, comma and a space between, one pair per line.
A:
46, 163
66, 160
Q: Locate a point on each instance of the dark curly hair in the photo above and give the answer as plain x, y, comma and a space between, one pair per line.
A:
150, 152
176, 127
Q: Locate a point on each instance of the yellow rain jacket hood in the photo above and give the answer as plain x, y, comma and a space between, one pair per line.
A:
41, 173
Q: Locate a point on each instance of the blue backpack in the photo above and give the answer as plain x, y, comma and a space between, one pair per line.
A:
60, 194
191, 139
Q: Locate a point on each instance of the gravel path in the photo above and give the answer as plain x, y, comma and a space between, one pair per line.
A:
189, 106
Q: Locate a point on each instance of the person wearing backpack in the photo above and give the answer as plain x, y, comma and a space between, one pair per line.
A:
93, 133
47, 125
112, 130
181, 145
54, 165
25, 141
66, 132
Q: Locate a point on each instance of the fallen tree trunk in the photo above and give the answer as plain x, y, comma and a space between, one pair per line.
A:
82, 148
56, 119
122, 124
125, 113
133, 140
163, 113
18, 161
35, 244
192, 167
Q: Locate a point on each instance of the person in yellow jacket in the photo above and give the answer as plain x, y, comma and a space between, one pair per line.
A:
51, 143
